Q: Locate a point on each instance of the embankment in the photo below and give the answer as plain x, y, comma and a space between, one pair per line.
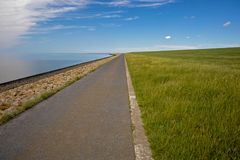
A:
19, 95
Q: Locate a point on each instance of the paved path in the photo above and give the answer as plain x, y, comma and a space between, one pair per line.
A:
89, 120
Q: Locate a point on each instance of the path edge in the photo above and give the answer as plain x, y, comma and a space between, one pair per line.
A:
141, 145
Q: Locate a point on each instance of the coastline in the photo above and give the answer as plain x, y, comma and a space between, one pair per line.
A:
30, 79
32, 90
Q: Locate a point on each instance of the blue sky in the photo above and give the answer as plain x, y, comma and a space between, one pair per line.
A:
36, 26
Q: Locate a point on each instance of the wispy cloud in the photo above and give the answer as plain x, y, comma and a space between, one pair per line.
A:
152, 3
165, 47
131, 18
175, 47
110, 25
115, 3
42, 30
155, 48
227, 24
110, 14
135, 3
19, 17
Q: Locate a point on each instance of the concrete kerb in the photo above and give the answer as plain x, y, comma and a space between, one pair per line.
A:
141, 144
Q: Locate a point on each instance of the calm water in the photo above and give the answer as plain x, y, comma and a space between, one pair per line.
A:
24, 65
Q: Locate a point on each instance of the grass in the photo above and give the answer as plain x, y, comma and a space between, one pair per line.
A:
190, 102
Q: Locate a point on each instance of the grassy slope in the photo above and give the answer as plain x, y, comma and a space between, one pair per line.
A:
190, 102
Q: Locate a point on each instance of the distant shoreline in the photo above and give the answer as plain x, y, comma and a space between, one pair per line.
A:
18, 82
23, 94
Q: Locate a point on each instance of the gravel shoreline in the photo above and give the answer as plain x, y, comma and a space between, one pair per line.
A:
16, 100
16, 83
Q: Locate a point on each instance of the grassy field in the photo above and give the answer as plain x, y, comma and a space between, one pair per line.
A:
190, 102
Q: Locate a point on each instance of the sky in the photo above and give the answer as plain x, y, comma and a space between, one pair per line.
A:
97, 26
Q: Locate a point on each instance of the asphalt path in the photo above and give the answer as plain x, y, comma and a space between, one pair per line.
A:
89, 120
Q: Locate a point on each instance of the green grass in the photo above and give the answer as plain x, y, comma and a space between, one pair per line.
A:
190, 102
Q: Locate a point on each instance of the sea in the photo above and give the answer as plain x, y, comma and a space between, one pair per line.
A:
17, 66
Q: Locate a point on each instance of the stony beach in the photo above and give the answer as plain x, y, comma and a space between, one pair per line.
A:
16, 100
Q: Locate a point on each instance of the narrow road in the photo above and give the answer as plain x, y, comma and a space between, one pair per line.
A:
89, 120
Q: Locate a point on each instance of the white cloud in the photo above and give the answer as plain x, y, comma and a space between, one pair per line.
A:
110, 25
168, 37
175, 47
227, 24
110, 14
134, 3
155, 48
161, 47
120, 3
131, 18
153, 3
19, 17
165, 47
89, 28
39, 30
218, 45
115, 3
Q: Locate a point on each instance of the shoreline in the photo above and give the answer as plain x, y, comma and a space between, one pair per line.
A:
30, 79
18, 99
